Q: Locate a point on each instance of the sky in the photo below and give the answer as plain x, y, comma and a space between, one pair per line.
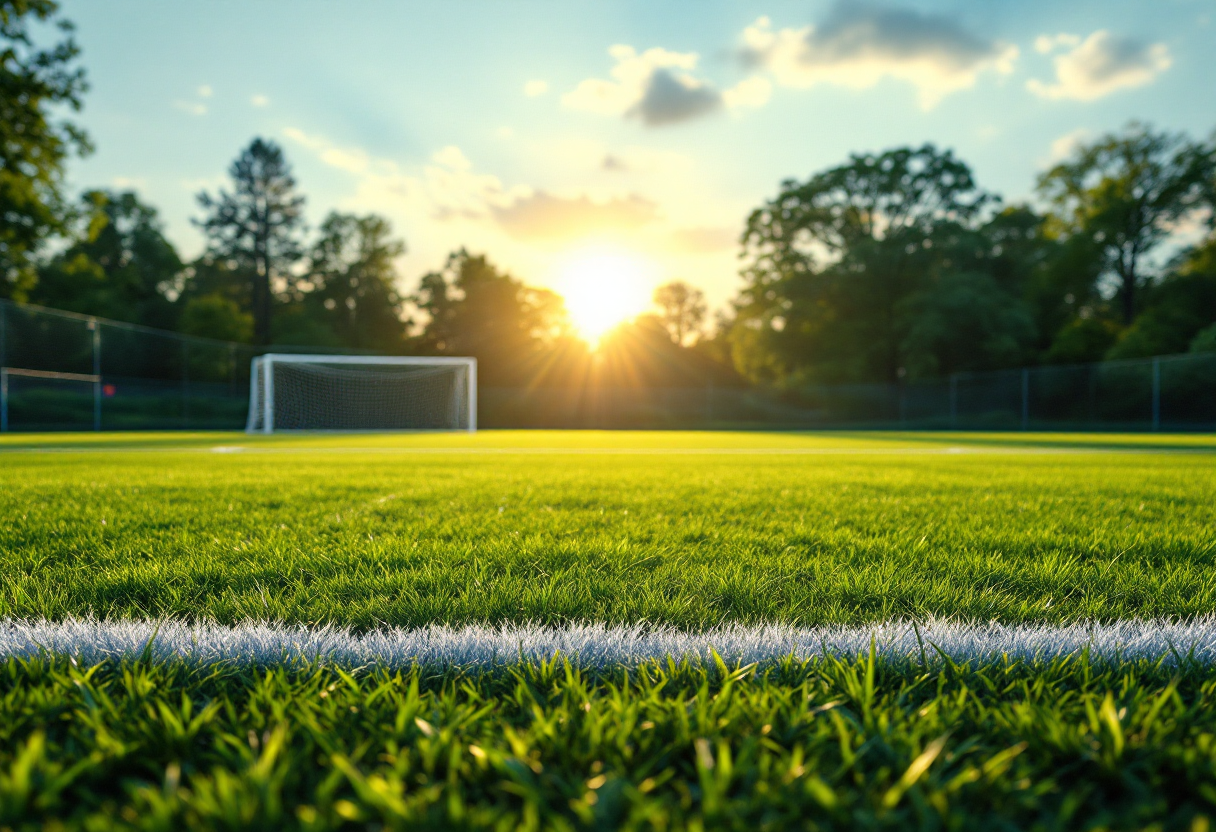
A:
583, 144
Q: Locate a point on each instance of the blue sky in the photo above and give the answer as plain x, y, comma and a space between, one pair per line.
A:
540, 131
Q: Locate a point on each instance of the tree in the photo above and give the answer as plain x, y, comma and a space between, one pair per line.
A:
964, 322
352, 278
215, 316
35, 84
683, 310
832, 260
1126, 193
473, 308
257, 226
1176, 308
120, 264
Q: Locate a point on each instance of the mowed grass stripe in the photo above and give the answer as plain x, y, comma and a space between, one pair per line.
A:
369, 540
932, 643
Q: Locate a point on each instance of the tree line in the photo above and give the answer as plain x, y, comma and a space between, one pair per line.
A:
900, 265
891, 266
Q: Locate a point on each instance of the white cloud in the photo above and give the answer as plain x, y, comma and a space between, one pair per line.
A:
194, 108
704, 240
750, 92
351, 160
311, 142
658, 88
536, 87
1099, 65
1044, 44
452, 157
446, 189
1064, 146
127, 183
858, 45
259, 101
204, 91
541, 215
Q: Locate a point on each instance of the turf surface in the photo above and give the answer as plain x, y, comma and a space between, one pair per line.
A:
684, 530
688, 530
827, 745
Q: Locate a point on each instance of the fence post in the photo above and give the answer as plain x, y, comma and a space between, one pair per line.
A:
1156, 393
954, 400
3, 364
1025, 398
185, 383
709, 402
96, 328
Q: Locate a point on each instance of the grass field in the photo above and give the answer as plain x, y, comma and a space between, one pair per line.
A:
365, 531
684, 530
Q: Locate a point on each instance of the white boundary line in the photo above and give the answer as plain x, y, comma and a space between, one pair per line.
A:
596, 645
558, 451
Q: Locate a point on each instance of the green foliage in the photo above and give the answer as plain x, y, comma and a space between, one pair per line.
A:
1178, 308
842, 267
475, 309
215, 316
821, 745
682, 310
684, 529
965, 321
118, 266
35, 84
1126, 193
1081, 340
256, 226
351, 282
1205, 341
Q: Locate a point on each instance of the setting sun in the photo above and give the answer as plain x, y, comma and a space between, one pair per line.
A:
603, 288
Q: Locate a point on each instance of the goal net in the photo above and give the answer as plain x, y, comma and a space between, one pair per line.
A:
361, 392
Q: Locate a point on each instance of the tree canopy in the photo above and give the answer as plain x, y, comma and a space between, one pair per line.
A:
474, 308
118, 265
35, 84
257, 226
1125, 193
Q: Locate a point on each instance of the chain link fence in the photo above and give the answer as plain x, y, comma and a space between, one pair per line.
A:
63, 371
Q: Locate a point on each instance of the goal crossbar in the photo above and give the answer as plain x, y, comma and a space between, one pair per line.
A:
262, 384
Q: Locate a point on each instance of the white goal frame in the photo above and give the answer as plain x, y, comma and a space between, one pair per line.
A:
264, 365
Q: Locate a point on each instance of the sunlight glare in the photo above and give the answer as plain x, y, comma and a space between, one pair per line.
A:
603, 288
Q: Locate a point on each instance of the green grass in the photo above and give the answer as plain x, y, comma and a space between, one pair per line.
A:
826, 745
511, 527
687, 529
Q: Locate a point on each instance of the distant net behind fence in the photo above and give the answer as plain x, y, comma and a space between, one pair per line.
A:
62, 371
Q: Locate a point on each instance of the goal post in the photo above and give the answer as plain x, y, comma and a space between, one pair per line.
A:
290, 392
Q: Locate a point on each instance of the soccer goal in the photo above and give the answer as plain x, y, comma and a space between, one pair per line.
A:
361, 393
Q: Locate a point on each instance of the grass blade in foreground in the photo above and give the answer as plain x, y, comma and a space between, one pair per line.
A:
859, 744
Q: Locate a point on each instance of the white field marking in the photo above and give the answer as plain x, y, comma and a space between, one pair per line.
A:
1005, 450
89, 641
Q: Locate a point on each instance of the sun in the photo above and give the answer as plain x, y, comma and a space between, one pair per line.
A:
604, 287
